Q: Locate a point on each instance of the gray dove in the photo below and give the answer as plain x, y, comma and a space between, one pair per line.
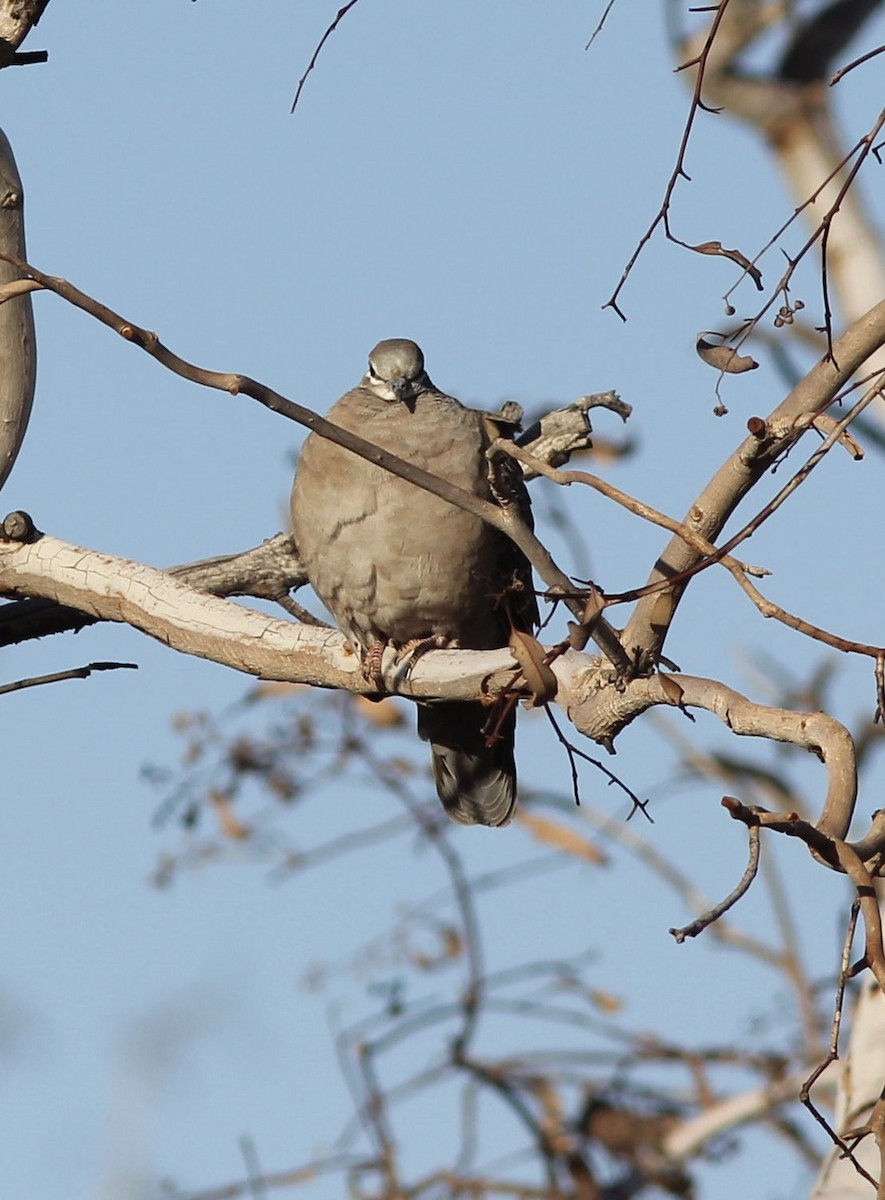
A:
396, 565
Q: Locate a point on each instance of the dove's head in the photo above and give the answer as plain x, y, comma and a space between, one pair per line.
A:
396, 370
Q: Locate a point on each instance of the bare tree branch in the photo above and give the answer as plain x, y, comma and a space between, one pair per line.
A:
646, 631
505, 518
17, 18
18, 343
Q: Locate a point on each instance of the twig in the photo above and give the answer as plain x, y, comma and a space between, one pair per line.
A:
255, 1176
863, 148
313, 61
602, 21
843, 71
708, 918
574, 752
431, 825
647, 628
778, 234
679, 171
712, 554
638, 507
833, 1052
833, 852
59, 676
831, 440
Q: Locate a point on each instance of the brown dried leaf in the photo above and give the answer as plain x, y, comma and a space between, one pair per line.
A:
735, 255
663, 608
529, 653
230, 824
605, 1001
552, 1115
272, 689
269, 689
624, 1132
671, 689
450, 948
561, 837
579, 635
724, 358
383, 714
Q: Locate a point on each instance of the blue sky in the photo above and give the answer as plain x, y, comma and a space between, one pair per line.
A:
467, 175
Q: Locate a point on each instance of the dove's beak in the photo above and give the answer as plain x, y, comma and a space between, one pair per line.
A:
401, 387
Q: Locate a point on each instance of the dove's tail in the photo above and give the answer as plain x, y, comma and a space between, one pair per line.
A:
476, 782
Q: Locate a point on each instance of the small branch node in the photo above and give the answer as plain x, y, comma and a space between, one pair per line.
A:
19, 526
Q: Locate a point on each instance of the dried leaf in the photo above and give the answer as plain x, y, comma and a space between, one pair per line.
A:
450, 948
593, 607
605, 1001
530, 655
579, 635
724, 358
552, 1117
230, 823
735, 255
269, 689
561, 837
663, 608
624, 1132
383, 714
672, 689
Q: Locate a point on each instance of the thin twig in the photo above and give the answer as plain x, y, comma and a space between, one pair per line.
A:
833, 1052
778, 234
574, 753
73, 673
313, 61
693, 928
679, 171
843, 71
602, 21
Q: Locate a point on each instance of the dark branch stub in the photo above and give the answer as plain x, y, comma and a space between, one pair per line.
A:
18, 526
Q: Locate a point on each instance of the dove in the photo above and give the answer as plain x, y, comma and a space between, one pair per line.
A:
396, 565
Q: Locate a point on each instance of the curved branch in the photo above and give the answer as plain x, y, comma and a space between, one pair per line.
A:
603, 714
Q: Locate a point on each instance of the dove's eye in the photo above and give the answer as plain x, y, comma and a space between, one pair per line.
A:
373, 372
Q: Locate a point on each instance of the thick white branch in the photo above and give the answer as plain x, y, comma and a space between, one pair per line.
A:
192, 622
115, 589
693, 1134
